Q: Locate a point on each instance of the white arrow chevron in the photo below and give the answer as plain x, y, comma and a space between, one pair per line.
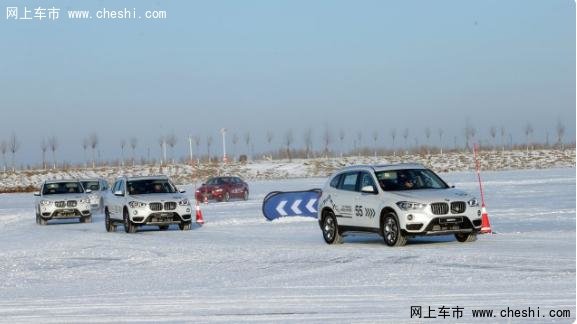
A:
280, 208
310, 204
295, 206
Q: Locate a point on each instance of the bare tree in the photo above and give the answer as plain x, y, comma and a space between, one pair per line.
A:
375, 139
327, 139
3, 150
53, 145
133, 144
308, 139
247, 140
85, 148
44, 148
342, 139
440, 131
288, 139
13, 146
528, 132
428, 136
122, 146
470, 132
406, 136
394, 136
162, 143
171, 141
560, 133
93, 143
208, 144
502, 138
493, 133
234, 142
359, 141
196, 140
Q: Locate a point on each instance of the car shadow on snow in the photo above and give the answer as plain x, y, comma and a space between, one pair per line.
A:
370, 239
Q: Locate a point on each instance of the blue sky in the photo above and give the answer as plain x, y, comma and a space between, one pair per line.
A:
279, 65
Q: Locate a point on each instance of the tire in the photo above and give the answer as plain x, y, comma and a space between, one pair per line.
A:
163, 227
330, 228
226, 196
391, 231
40, 220
101, 209
129, 226
245, 195
108, 223
86, 219
185, 226
466, 237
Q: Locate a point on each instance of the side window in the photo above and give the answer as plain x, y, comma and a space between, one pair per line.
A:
367, 180
349, 181
121, 186
335, 181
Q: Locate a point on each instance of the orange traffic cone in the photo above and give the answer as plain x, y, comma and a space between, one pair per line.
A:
485, 224
199, 219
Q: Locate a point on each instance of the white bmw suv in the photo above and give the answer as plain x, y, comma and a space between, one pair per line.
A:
61, 199
397, 201
152, 200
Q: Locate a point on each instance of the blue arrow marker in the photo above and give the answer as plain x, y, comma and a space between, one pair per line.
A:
291, 203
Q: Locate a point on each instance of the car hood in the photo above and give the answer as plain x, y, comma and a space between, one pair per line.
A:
432, 195
158, 197
59, 197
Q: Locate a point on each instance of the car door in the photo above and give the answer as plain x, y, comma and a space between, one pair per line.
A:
367, 201
116, 202
345, 198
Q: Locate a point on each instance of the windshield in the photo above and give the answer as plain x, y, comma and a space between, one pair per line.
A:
214, 181
150, 186
56, 188
392, 180
92, 185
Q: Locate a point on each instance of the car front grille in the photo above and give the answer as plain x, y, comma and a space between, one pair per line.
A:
71, 203
171, 205
440, 208
60, 204
458, 207
155, 206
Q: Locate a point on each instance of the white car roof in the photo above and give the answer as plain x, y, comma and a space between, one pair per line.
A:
384, 167
157, 177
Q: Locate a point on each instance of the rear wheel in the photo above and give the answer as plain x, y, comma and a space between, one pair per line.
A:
108, 223
391, 231
330, 228
185, 226
129, 226
466, 237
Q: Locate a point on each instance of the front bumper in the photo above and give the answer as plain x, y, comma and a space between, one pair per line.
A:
145, 216
415, 223
64, 213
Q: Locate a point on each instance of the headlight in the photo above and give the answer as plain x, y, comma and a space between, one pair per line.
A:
184, 202
136, 204
409, 205
85, 201
46, 202
473, 202
217, 190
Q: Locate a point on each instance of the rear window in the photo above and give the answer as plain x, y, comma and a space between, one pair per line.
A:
349, 181
335, 181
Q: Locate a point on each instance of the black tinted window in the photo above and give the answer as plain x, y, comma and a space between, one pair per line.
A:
335, 181
367, 180
62, 188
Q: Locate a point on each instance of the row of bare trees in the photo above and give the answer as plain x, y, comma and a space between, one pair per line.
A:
289, 143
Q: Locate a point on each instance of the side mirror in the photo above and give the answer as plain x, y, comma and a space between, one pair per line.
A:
37, 194
88, 191
452, 186
119, 193
368, 189
182, 191
204, 184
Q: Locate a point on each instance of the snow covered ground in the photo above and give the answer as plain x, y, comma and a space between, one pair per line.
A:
239, 267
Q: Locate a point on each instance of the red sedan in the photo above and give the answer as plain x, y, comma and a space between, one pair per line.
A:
222, 189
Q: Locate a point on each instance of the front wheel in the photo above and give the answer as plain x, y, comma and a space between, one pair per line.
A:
466, 237
226, 196
163, 227
245, 195
330, 229
392, 231
86, 219
185, 226
40, 220
129, 226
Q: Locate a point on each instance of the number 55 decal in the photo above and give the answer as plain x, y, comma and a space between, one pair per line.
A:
359, 211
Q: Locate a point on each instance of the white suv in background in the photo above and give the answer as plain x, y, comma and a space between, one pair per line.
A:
152, 200
98, 188
396, 201
61, 199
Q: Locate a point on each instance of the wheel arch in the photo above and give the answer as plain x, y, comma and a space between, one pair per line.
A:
386, 210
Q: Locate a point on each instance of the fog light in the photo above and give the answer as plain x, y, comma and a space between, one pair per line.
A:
410, 217
135, 212
188, 210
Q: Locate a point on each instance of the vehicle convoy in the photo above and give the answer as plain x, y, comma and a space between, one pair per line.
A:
98, 187
152, 200
222, 189
62, 199
397, 201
